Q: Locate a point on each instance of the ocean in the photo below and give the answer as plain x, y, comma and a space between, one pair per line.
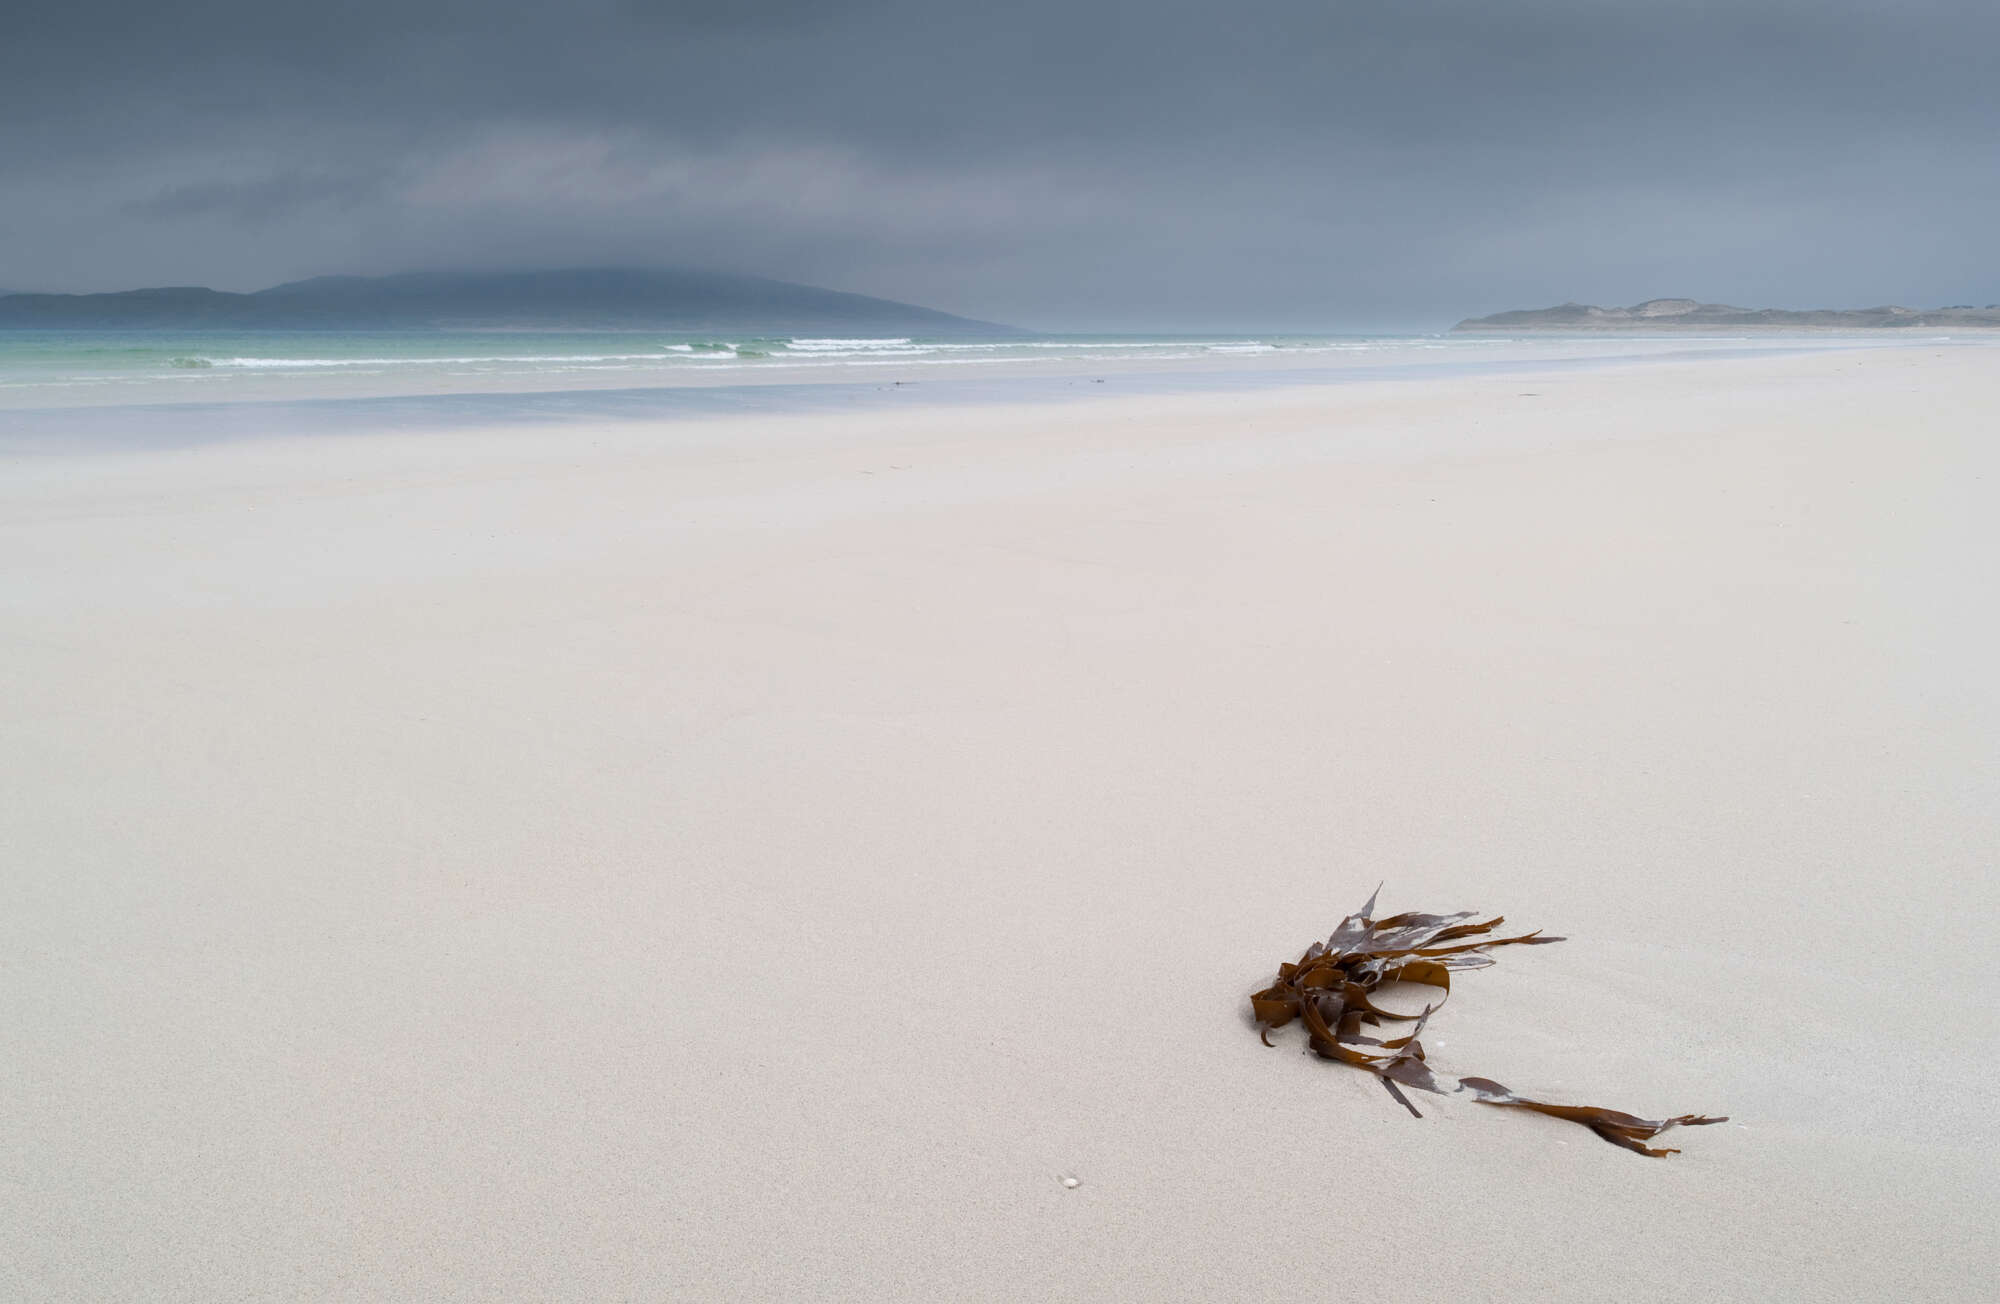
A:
204, 366
192, 385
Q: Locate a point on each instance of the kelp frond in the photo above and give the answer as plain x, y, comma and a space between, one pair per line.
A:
1328, 990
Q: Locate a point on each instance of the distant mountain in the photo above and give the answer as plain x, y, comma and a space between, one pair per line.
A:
1687, 314
588, 298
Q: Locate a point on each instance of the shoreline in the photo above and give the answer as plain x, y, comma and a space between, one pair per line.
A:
1321, 363
83, 426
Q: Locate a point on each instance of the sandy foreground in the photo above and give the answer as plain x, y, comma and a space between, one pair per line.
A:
757, 859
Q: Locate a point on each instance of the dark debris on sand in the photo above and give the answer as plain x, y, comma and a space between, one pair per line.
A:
1328, 990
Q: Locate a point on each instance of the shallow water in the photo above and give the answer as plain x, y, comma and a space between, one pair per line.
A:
81, 389
208, 365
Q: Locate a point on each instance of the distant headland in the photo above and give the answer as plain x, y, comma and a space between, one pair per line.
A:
597, 298
1690, 314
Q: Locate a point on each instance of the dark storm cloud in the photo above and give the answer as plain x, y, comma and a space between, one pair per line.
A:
264, 199
1055, 163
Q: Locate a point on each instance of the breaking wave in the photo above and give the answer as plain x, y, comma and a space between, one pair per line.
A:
796, 350
358, 362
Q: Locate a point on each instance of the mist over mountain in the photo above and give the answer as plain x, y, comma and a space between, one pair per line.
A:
577, 298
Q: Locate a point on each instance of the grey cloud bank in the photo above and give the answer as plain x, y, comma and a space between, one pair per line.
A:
1063, 165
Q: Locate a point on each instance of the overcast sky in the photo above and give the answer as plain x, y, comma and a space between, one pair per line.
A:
1058, 163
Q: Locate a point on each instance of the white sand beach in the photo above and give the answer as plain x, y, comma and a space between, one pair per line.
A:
758, 858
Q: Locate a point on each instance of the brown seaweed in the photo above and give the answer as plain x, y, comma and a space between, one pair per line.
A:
1328, 990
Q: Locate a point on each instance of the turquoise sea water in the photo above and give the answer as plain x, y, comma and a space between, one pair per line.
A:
68, 389
203, 366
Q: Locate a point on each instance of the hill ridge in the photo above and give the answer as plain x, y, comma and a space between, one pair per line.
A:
574, 298
1685, 314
